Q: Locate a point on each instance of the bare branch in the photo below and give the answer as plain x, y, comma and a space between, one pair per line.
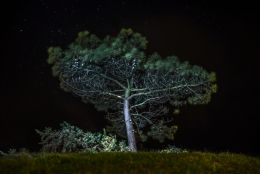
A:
144, 102
164, 89
147, 119
117, 82
142, 89
97, 91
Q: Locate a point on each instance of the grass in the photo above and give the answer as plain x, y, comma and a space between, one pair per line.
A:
140, 163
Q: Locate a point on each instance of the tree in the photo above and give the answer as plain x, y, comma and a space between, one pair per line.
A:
134, 88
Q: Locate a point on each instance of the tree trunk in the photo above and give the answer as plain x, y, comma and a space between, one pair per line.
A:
129, 127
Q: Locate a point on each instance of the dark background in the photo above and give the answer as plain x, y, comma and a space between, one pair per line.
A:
220, 36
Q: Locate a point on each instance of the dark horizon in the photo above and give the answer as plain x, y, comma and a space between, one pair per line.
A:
218, 36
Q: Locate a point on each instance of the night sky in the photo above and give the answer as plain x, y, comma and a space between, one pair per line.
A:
221, 37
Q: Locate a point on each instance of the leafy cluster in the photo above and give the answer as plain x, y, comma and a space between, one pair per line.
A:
88, 48
72, 139
161, 132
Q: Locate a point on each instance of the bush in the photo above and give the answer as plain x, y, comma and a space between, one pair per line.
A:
72, 139
9, 152
173, 149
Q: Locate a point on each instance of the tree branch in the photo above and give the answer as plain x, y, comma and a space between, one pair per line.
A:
85, 92
117, 82
147, 119
144, 102
164, 89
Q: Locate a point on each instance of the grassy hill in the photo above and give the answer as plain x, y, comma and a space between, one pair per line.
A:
120, 163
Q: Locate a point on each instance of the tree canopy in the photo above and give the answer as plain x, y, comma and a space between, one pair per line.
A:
117, 76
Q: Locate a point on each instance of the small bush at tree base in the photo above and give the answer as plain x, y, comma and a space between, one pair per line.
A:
173, 149
72, 139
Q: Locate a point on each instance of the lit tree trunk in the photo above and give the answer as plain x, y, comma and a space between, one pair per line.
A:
129, 125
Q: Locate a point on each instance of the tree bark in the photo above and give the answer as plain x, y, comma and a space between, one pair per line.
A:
129, 127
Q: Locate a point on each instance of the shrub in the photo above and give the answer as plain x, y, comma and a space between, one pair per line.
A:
72, 139
173, 149
9, 152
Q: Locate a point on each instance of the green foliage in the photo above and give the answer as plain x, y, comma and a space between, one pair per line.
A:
170, 63
71, 139
186, 71
90, 48
130, 163
55, 53
161, 131
87, 40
